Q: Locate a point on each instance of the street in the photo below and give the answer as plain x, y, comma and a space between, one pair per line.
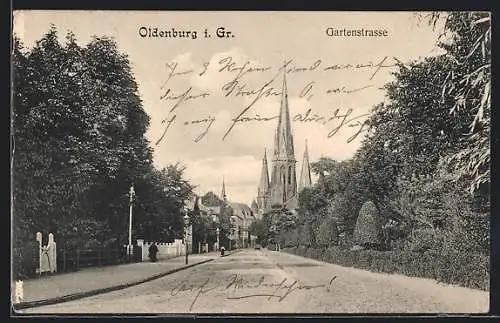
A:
263, 281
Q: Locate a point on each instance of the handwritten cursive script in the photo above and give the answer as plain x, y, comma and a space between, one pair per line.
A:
279, 291
236, 84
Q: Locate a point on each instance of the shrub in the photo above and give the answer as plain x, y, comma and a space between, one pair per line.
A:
25, 260
421, 240
290, 238
327, 233
368, 229
304, 235
365, 260
346, 240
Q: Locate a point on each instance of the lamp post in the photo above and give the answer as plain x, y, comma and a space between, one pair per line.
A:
218, 231
131, 194
275, 237
186, 224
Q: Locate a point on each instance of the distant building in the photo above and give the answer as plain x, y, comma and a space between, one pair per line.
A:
242, 216
213, 212
281, 189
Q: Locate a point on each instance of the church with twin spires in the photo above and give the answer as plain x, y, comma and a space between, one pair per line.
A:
282, 188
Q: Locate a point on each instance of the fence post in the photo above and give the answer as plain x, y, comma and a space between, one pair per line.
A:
52, 253
39, 240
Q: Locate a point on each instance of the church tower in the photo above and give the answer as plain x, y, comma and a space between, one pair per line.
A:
263, 190
305, 173
283, 176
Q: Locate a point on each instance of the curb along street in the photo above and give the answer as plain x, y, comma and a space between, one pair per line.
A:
75, 296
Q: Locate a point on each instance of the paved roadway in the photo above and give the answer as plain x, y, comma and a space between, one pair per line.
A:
262, 281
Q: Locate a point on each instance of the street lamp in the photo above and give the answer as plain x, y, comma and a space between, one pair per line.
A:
218, 231
131, 194
186, 224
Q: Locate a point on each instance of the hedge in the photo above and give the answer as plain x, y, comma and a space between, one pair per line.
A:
25, 260
450, 267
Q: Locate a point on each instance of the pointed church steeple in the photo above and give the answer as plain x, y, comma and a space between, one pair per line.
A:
305, 173
264, 177
283, 142
283, 187
223, 193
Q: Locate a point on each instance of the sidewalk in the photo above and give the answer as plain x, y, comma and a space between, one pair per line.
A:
92, 281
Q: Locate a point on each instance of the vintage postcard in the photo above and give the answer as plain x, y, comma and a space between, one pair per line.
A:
261, 162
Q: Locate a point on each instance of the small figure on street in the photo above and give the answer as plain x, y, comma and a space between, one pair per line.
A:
153, 250
222, 249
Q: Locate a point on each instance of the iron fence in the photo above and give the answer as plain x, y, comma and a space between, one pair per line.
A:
83, 258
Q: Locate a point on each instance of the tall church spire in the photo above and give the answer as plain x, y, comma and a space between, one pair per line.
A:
264, 177
283, 142
305, 173
223, 193
283, 187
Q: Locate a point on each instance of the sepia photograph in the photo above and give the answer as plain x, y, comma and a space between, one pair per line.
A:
250, 162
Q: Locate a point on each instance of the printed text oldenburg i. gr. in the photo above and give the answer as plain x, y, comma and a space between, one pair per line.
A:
155, 32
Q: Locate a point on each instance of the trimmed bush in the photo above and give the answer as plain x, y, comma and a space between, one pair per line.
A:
368, 231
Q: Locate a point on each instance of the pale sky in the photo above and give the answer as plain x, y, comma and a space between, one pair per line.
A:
266, 40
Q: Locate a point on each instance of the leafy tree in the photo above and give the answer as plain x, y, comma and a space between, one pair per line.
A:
436, 116
423, 127
441, 206
226, 225
160, 203
280, 223
80, 142
336, 196
468, 88
311, 202
269, 233
327, 233
202, 227
211, 199
258, 228
306, 235
334, 174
